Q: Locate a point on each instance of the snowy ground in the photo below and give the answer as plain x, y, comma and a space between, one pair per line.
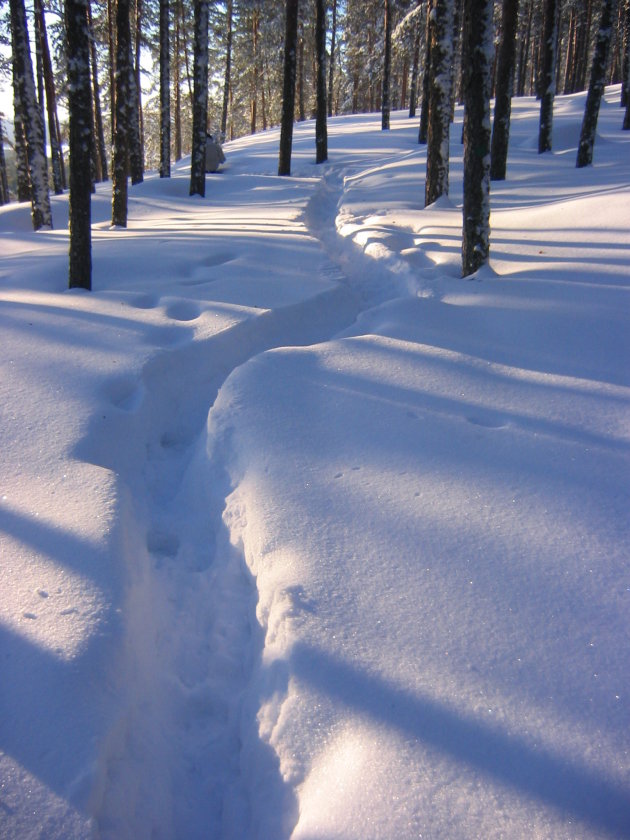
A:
302, 535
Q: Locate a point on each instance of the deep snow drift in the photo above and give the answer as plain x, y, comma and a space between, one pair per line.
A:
304, 536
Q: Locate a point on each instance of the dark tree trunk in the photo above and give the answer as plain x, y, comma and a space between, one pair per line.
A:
321, 129
504, 90
331, 69
80, 107
524, 51
387, 67
121, 137
111, 39
228, 70
165, 93
441, 39
254, 70
477, 83
200, 101
300, 78
4, 183
548, 75
413, 90
625, 66
31, 115
51, 100
426, 82
288, 88
99, 131
176, 85
136, 162
21, 155
596, 86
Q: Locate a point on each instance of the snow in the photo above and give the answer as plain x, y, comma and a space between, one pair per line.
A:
302, 535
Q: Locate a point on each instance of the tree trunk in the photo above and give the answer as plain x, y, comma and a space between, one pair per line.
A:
387, 67
596, 86
33, 128
288, 88
441, 39
228, 70
413, 90
321, 129
331, 69
136, 156
503, 96
165, 93
477, 83
176, 84
21, 155
80, 107
4, 183
625, 66
121, 137
300, 78
254, 71
51, 101
548, 76
99, 133
426, 82
111, 40
200, 101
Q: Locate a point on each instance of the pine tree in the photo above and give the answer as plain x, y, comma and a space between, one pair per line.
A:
504, 90
200, 101
387, 66
4, 183
596, 86
51, 99
288, 89
548, 75
80, 106
121, 135
99, 129
477, 83
24, 86
165, 93
321, 129
439, 116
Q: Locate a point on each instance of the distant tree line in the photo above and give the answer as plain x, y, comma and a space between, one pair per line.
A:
143, 80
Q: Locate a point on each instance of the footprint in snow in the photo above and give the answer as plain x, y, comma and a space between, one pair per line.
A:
162, 544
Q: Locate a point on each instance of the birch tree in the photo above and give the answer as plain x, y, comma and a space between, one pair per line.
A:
80, 108
24, 91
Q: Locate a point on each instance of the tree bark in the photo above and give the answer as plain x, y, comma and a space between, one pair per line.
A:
477, 83
441, 39
177, 126
4, 183
33, 127
288, 89
504, 90
548, 76
51, 100
387, 67
331, 69
413, 90
321, 129
228, 69
165, 93
136, 157
596, 86
426, 82
121, 136
80, 107
99, 133
200, 101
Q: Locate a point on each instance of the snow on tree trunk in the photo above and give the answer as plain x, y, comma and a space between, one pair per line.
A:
441, 52
200, 101
596, 86
477, 83
165, 93
548, 75
121, 133
80, 107
321, 129
33, 126
288, 88
504, 91
387, 66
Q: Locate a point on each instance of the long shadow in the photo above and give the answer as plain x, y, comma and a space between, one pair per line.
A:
576, 791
